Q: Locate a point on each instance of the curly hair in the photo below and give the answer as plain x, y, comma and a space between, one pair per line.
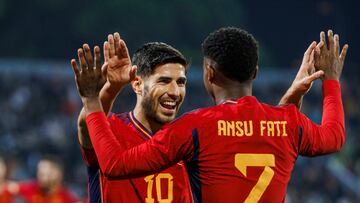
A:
234, 51
153, 54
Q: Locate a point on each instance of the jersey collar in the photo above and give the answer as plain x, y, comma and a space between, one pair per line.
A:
139, 126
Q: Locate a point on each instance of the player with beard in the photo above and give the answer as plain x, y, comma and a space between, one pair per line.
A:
159, 85
240, 150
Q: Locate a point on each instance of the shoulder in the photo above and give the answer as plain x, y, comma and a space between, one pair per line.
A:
194, 115
121, 118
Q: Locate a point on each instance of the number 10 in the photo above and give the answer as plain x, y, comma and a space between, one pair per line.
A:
150, 181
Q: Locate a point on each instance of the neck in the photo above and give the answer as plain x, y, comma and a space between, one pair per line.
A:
146, 122
231, 91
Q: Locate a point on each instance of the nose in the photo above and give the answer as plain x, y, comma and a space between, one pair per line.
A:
173, 90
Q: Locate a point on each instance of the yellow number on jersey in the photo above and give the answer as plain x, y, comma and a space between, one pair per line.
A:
150, 181
242, 161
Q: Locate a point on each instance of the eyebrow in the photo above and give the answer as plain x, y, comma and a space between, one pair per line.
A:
169, 78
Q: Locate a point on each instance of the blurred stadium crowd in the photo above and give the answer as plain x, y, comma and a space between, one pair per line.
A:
39, 108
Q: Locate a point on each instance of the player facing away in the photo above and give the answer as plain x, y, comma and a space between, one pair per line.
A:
160, 90
240, 150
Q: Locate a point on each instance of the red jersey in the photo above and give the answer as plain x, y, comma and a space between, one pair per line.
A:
238, 151
169, 185
6, 196
32, 193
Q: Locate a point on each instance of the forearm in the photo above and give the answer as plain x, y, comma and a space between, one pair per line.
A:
117, 161
292, 97
329, 137
108, 95
83, 134
333, 118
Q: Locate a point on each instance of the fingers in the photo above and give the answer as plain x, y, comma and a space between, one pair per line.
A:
330, 40
112, 45
312, 56
106, 48
344, 52
319, 46
82, 60
124, 52
322, 39
336, 45
308, 52
104, 69
133, 72
311, 78
75, 67
117, 42
97, 57
88, 56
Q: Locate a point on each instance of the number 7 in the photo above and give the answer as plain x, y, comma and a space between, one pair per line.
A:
242, 161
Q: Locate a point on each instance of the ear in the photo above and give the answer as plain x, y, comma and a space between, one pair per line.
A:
210, 73
255, 72
136, 85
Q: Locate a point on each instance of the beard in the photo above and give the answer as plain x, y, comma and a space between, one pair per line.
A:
149, 108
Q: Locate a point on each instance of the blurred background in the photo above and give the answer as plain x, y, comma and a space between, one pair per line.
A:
39, 103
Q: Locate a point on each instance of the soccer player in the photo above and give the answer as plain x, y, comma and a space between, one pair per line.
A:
5, 194
47, 188
239, 150
160, 90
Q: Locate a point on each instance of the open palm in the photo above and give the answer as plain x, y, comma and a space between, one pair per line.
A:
117, 66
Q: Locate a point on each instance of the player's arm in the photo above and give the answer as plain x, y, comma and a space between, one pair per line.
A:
116, 80
166, 148
330, 135
304, 78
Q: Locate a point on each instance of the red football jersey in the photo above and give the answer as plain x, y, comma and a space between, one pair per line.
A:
6, 196
170, 185
32, 193
238, 151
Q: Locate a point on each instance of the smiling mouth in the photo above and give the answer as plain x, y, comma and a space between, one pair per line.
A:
171, 105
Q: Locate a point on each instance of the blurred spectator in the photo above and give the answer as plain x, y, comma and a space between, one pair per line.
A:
47, 188
5, 195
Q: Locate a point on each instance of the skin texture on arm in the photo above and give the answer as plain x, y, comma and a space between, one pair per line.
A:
115, 79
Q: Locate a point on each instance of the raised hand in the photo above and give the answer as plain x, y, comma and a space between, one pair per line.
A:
306, 74
117, 67
304, 78
328, 57
89, 79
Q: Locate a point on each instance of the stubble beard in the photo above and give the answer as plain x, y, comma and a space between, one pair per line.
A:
149, 109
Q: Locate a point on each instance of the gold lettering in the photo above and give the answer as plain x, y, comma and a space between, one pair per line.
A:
248, 128
276, 123
270, 128
239, 130
262, 127
221, 127
230, 126
284, 123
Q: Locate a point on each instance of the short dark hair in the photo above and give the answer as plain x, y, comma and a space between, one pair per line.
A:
234, 51
153, 54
